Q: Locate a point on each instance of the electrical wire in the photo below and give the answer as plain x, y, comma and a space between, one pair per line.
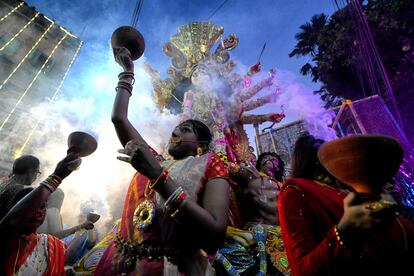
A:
217, 9
137, 12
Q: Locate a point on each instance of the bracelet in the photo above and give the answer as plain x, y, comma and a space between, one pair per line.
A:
177, 203
172, 197
125, 88
125, 75
50, 183
47, 185
125, 83
58, 178
178, 209
53, 180
338, 237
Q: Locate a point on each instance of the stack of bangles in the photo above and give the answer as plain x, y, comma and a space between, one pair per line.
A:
175, 202
52, 182
126, 80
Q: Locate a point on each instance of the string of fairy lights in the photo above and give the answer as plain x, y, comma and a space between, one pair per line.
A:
36, 76
19, 151
33, 80
26, 55
20, 31
12, 11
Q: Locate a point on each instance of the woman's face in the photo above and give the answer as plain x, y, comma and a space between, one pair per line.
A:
36, 173
36, 220
183, 141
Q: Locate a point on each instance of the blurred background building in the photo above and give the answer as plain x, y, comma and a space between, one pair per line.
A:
36, 55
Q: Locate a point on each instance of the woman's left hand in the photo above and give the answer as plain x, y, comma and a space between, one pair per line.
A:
141, 158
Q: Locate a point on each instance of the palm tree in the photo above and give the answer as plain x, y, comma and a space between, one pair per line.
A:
307, 44
308, 36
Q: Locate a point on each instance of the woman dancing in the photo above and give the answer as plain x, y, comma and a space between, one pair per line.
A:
175, 211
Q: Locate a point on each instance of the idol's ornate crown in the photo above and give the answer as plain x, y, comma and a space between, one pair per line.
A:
188, 48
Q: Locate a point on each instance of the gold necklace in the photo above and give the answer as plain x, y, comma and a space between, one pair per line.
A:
145, 212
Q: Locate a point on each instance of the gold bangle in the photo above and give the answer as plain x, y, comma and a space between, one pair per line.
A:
338, 237
58, 178
178, 209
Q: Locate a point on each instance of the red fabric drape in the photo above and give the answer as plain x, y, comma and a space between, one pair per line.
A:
56, 252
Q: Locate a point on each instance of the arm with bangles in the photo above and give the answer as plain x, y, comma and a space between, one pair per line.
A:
212, 219
26, 208
53, 224
209, 219
124, 129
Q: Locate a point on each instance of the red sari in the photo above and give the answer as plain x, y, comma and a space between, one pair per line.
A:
44, 255
308, 213
112, 262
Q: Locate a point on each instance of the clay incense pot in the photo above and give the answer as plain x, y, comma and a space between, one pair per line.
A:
92, 217
364, 162
81, 143
129, 38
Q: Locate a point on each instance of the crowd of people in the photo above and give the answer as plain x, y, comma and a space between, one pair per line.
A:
196, 213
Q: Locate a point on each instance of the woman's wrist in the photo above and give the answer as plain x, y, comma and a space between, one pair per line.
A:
51, 182
155, 175
126, 81
129, 69
350, 238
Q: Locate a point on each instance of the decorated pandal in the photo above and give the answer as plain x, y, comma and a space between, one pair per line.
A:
203, 85
222, 106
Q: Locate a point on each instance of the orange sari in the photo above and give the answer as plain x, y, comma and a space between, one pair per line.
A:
44, 254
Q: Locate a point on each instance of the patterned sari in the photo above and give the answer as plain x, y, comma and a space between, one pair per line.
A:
89, 262
44, 255
191, 173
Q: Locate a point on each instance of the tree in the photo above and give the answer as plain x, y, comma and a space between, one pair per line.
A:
336, 56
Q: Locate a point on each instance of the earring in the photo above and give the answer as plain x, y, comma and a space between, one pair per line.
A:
199, 151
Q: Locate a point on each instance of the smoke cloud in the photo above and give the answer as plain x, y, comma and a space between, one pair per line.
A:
299, 100
101, 182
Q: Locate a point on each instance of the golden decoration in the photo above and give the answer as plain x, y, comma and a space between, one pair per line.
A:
188, 48
144, 214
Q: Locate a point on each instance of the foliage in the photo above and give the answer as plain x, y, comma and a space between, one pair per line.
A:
336, 58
